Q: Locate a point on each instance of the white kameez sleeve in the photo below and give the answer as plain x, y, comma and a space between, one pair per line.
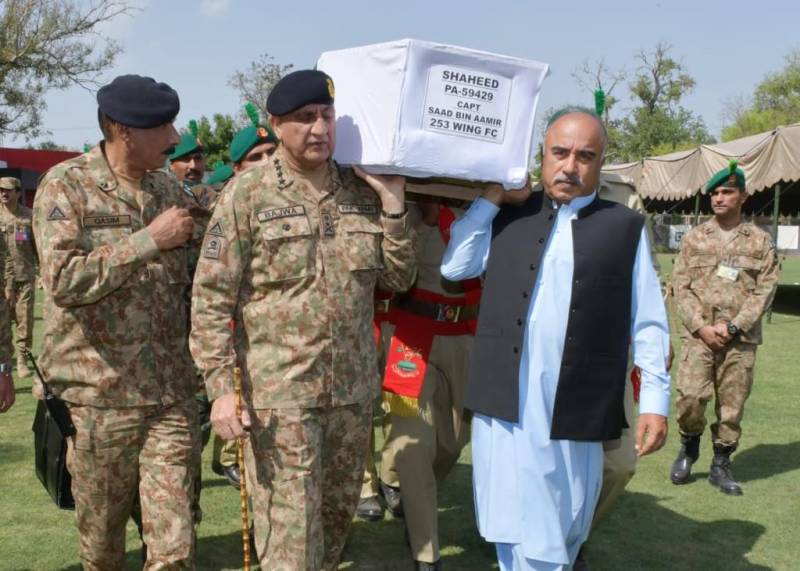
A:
470, 240
650, 333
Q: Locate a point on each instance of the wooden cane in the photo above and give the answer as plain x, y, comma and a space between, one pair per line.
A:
237, 383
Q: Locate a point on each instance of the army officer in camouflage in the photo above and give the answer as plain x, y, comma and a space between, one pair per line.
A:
724, 280
110, 231
298, 246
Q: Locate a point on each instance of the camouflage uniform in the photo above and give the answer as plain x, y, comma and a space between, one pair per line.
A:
115, 349
297, 268
6, 346
20, 273
703, 297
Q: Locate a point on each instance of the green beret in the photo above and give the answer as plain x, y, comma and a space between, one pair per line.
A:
138, 101
250, 136
10, 183
190, 142
300, 88
222, 172
729, 176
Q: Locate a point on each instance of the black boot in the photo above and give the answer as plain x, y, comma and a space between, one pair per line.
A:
688, 455
720, 475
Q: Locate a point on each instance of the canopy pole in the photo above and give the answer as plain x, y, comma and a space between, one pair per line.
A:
775, 214
696, 209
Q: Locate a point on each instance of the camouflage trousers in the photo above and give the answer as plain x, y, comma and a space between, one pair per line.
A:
304, 469
113, 451
23, 316
726, 376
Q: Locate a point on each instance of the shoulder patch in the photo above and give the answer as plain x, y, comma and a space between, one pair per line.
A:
212, 248
358, 209
56, 214
286, 211
216, 229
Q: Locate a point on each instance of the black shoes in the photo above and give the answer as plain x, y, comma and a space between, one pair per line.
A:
425, 566
688, 455
369, 509
391, 499
720, 474
231, 473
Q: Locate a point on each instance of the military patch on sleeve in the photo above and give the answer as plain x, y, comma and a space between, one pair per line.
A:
216, 229
106, 220
358, 209
56, 214
212, 248
286, 211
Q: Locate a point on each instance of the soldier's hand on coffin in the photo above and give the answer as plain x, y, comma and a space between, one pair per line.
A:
498, 196
391, 189
225, 421
171, 228
7, 395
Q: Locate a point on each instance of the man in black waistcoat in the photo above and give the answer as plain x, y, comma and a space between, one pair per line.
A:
569, 287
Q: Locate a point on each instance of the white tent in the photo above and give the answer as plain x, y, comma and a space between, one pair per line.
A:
766, 158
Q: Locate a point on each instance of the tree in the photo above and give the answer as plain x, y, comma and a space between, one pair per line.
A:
216, 137
50, 44
658, 123
255, 83
594, 76
776, 101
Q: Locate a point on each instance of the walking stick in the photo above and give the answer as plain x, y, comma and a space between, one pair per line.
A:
237, 382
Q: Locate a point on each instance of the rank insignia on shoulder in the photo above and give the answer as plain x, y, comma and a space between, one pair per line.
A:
56, 214
216, 229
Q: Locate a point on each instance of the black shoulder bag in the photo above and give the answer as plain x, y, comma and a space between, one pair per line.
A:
52, 426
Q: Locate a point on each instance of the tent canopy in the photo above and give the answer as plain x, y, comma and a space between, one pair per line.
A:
766, 158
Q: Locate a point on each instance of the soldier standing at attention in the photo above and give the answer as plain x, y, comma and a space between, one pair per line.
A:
111, 230
724, 280
297, 246
15, 222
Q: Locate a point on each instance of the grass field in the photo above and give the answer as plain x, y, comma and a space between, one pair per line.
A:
655, 525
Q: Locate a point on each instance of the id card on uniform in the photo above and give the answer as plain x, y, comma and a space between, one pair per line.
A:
21, 234
727, 273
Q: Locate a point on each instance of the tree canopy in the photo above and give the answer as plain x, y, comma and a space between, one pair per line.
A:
50, 44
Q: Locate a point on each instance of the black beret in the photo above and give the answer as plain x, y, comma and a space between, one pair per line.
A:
138, 101
300, 88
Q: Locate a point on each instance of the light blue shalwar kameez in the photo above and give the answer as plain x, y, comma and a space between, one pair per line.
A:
535, 497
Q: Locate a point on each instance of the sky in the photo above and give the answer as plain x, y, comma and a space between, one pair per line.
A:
196, 45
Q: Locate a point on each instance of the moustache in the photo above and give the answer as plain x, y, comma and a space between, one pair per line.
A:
573, 180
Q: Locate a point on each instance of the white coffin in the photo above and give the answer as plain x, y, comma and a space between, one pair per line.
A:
431, 110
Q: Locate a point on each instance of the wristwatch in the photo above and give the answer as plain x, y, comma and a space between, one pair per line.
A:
733, 330
6, 368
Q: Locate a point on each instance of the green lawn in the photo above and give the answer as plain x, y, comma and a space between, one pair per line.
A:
654, 526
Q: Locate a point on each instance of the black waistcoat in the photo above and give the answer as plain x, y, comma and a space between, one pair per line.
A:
591, 382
